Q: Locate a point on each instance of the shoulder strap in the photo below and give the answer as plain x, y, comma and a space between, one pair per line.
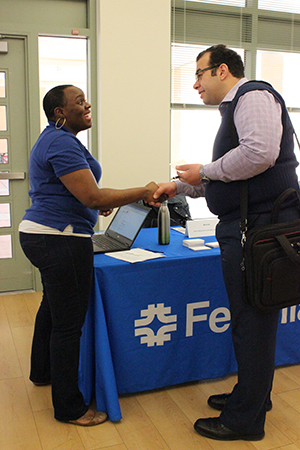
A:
244, 209
297, 140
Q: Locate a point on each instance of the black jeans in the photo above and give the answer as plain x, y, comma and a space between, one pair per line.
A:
66, 267
253, 333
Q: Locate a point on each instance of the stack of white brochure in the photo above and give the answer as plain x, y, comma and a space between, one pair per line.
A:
195, 244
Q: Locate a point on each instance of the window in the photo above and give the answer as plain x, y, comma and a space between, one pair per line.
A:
2, 85
283, 77
291, 6
62, 61
223, 2
268, 42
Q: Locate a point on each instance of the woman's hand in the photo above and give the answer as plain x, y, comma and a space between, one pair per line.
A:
83, 186
151, 190
105, 213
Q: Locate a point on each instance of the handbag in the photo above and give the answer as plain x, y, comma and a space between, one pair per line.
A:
179, 213
271, 258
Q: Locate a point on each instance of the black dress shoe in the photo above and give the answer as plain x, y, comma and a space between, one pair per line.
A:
213, 428
41, 383
219, 401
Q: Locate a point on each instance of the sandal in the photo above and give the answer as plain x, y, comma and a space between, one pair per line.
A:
90, 418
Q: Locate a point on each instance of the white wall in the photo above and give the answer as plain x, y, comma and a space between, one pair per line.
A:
134, 98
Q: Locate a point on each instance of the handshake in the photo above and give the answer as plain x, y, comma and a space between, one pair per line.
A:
186, 173
159, 192
153, 195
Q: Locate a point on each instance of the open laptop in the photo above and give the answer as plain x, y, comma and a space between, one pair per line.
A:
122, 230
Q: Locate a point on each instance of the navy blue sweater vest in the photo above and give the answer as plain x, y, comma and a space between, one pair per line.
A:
223, 199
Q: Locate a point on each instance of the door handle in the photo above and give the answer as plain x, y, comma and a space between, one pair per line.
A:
12, 175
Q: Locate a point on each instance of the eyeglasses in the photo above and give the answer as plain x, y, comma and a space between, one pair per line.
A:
199, 73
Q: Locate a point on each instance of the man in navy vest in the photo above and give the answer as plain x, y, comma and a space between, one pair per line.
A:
254, 143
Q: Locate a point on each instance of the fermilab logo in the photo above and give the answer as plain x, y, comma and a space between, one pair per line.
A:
197, 314
163, 333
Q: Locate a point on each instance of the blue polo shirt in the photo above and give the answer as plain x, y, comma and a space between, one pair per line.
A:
57, 153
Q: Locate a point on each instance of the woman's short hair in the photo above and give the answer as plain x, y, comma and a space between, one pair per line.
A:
53, 99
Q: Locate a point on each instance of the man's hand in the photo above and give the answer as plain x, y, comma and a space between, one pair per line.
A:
151, 188
165, 190
189, 173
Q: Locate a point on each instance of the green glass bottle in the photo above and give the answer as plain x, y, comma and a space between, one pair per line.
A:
164, 224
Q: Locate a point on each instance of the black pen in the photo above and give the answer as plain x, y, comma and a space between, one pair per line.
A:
174, 178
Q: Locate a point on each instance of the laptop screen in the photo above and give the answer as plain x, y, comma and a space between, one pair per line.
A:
128, 220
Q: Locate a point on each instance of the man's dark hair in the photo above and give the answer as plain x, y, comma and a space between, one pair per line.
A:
221, 54
53, 99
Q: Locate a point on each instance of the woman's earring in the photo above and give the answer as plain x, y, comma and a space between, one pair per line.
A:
57, 126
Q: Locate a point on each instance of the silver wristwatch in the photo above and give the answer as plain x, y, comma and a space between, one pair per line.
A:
203, 178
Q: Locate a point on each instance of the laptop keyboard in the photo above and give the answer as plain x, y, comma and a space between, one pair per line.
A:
105, 243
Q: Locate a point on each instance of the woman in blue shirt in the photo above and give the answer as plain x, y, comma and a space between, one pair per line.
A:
55, 235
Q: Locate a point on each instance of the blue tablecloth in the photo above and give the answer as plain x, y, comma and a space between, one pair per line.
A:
162, 322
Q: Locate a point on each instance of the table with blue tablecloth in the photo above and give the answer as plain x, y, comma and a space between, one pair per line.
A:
162, 322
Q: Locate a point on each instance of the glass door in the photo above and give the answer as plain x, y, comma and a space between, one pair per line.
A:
15, 270
62, 61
